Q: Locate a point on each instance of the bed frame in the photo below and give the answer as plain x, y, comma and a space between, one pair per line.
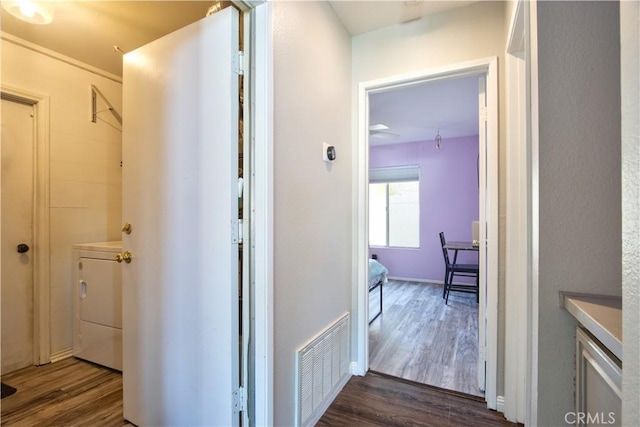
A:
378, 284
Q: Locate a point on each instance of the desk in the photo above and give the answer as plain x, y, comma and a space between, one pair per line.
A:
461, 246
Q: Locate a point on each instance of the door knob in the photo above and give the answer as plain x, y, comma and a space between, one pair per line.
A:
126, 256
126, 228
22, 248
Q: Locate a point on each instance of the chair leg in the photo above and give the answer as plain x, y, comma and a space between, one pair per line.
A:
446, 300
446, 280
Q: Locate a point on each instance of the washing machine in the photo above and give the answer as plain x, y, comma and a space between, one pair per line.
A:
98, 303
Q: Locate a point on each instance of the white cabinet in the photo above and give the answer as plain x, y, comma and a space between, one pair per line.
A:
598, 383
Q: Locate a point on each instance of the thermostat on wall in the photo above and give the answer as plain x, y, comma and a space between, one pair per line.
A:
328, 152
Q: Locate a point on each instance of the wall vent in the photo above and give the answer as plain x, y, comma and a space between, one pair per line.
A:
322, 371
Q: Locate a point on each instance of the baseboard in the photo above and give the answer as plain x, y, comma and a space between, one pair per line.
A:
61, 354
354, 369
500, 404
410, 279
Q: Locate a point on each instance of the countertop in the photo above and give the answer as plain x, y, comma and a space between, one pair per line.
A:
599, 314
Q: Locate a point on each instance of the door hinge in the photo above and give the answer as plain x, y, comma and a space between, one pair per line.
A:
238, 63
238, 400
236, 231
240, 230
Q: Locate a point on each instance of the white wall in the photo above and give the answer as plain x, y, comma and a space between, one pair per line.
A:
630, 80
463, 34
312, 203
579, 211
85, 176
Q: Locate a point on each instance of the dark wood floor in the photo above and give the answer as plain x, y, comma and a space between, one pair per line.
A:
419, 338
67, 393
380, 400
73, 392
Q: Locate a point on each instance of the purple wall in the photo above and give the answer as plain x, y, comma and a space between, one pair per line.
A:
448, 202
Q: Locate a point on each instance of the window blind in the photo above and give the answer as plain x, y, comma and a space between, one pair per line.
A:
394, 174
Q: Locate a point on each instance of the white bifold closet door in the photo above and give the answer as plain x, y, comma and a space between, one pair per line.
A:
180, 194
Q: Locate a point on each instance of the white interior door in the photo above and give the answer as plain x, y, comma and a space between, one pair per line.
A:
482, 162
180, 194
17, 146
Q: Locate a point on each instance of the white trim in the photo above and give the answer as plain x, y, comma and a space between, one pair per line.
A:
517, 264
483, 219
360, 221
41, 255
262, 212
493, 219
534, 126
516, 43
500, 404
55, 55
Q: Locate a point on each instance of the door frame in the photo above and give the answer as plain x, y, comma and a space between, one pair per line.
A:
488, 66
41, 293
261, 225
517, 388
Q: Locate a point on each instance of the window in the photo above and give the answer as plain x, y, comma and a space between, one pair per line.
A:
394, 207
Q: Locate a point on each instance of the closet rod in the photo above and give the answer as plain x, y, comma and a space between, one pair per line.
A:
94, 110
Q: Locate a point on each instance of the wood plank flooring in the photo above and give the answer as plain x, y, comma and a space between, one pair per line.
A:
73, 392
67, 393
419, 338
378, 400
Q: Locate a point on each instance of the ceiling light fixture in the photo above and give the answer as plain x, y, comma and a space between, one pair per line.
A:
438, 140
378, 126
29, 11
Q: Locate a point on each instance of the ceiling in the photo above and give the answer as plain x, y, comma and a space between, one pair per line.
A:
416, 113
363, 16
88, 31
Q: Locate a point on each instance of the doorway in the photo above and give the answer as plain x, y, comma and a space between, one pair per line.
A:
488, 231
17, 234
423, 159
25, 229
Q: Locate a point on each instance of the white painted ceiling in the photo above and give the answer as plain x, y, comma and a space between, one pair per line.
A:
89, 30
363, 16
418, 112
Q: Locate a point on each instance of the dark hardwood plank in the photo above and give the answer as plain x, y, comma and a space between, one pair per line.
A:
380, 400
420, 338
71, 392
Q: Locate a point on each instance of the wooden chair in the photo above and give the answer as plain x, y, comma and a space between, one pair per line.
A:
455, 269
